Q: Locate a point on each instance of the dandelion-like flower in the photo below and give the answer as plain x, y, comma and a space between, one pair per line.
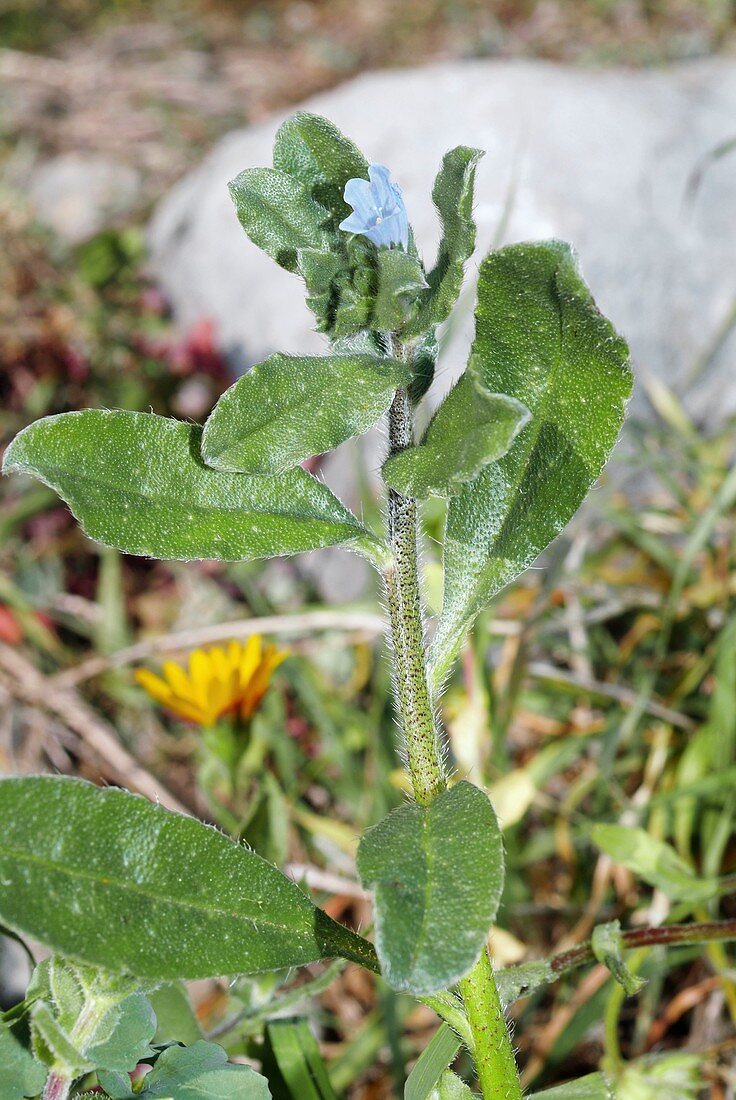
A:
220, 681
378, 208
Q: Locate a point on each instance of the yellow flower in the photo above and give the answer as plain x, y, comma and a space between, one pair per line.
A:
220, 681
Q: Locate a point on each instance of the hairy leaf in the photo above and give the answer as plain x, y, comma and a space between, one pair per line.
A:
453, 197
198, 1072
400, 281
451, 1087
313, 150
607, 947
518, 981
278, 214
119, 1022
320, 271
292, 407
540, 339
437, 873
471, 428
22, 1075
137, 888
137, 482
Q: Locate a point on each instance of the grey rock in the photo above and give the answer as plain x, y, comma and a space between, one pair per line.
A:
602, 158
79, 194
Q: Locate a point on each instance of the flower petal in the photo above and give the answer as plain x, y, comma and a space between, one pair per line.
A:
352, 224
392, 230
378, 208
360, 195
157, 688
381, 185
250, 660
200, 670
189, 711
272, 658
180, 683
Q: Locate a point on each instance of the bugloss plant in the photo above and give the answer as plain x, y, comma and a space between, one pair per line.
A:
130, 896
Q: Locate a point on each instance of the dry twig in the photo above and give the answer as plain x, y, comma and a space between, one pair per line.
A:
32, 687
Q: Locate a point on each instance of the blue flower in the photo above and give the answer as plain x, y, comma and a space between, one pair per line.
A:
378, 208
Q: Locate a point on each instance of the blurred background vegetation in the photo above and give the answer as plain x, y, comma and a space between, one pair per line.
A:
600, 689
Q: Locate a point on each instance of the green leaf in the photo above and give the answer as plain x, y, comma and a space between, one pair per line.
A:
513, 982
471, 428
453, 197
123, 1034
451, 1087
278, 214
593, 1087
176, 1021
201, 1072
313, 150
423, 363
354, 291
540, 339
607, 945
292, 407
438, 1054
53, 1044
137, 482
437, 873
156, 894
674, 1076
117, 1021
299, 1061
653, 860
400, 281
21, 1074
320, 271
116, 1085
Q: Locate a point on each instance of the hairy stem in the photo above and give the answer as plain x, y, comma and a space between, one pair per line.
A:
491, 1045
495, 1062
57, 1087
665, 935
424, 756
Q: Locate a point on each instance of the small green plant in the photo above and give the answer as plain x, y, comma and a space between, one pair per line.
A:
133, 899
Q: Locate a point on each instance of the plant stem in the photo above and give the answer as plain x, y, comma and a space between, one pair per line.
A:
424, 756
494, 1055
57, 1087
495, 1062
665, 935
448, 1007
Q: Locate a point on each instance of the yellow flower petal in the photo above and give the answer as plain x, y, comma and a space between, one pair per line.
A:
179, 681
258, 686
162, 693
220, 664
251, 659
190, 711
220, 680
154, 685
200, 671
